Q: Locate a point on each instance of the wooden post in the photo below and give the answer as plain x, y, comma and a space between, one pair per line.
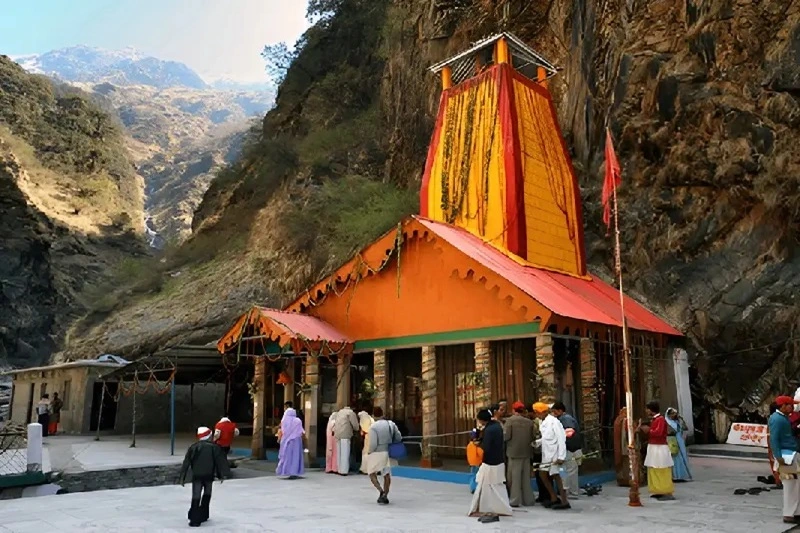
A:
429, 421
501, 51
100, 411
379, 373
545, 368
447, 78
541, 76
343, 382
258, 389
483, 378
133, 422
288, 388
311, 401
590, 402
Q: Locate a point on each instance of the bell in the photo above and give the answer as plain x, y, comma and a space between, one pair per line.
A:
284, 379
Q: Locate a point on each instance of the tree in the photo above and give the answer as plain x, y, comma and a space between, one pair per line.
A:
322, 10
279, 58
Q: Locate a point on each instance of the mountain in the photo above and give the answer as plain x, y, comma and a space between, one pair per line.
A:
119, 67
226, 84
181, 131
179, 138
71, 210
703, 99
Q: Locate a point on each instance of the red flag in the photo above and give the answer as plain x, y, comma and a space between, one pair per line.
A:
613, 178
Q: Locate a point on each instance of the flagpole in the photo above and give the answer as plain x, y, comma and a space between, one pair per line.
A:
633, 493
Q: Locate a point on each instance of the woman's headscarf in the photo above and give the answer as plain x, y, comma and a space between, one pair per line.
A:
291, 427
674, 424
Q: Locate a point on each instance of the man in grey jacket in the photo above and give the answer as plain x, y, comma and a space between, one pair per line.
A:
344, 428
519, 435
382, 433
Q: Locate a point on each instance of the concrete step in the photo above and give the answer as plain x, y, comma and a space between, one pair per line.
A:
729, 451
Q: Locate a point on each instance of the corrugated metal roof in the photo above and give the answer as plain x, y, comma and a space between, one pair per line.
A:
591, 299
303, 326
82, 363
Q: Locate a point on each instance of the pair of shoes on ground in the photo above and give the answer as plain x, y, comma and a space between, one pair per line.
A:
488, 519
383, 499
557, 505
663, 497
755, 491
792, 519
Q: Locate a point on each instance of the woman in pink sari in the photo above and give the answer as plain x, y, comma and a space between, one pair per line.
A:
331, 451
290, 456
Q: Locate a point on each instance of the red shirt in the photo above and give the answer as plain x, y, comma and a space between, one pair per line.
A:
227, 430
658, 431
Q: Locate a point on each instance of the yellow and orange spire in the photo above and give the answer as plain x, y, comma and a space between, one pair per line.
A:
498, 165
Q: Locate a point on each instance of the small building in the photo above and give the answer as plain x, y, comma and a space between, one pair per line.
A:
77, 383
486, 294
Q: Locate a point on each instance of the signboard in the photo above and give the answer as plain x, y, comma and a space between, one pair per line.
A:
748, 434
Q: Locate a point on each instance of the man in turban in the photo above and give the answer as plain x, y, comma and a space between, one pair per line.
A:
553, 442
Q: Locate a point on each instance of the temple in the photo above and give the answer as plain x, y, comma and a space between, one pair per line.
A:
483, 296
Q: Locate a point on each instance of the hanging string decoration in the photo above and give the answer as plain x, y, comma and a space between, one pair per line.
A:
360, 270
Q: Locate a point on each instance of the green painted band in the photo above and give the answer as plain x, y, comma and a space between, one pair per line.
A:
450, 337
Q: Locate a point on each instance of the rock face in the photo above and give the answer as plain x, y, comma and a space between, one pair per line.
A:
69, 202
703, 101
702, 98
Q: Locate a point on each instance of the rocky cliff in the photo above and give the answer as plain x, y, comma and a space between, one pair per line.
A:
70, 210
702, 96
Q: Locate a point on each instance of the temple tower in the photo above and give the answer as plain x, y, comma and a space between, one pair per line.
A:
497, 164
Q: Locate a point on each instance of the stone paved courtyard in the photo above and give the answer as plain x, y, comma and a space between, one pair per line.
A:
328, 503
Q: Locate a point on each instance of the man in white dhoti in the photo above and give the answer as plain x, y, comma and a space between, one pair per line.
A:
554, 452
365, 422
344, 428
382, 433
490, 500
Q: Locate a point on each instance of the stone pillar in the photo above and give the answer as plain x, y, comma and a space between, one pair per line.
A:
483, 384
343, 382
545, 369
379, 375
311, 403
288, 389
257, 390
590, 400
34, 448
428, 392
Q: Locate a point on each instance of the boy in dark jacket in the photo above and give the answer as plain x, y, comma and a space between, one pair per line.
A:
207, 461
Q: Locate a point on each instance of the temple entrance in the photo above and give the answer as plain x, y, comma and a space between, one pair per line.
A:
362, 384
403, 398
457, 403
513, 371
566, 370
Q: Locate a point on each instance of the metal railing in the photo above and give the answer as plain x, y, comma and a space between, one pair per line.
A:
13, 452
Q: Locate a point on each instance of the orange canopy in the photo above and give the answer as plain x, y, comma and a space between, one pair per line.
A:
303, 333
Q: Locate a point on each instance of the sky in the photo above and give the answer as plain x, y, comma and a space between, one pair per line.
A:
216, 38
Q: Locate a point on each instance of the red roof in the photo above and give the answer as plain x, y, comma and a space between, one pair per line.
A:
287, 329
308, 327
591, 300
